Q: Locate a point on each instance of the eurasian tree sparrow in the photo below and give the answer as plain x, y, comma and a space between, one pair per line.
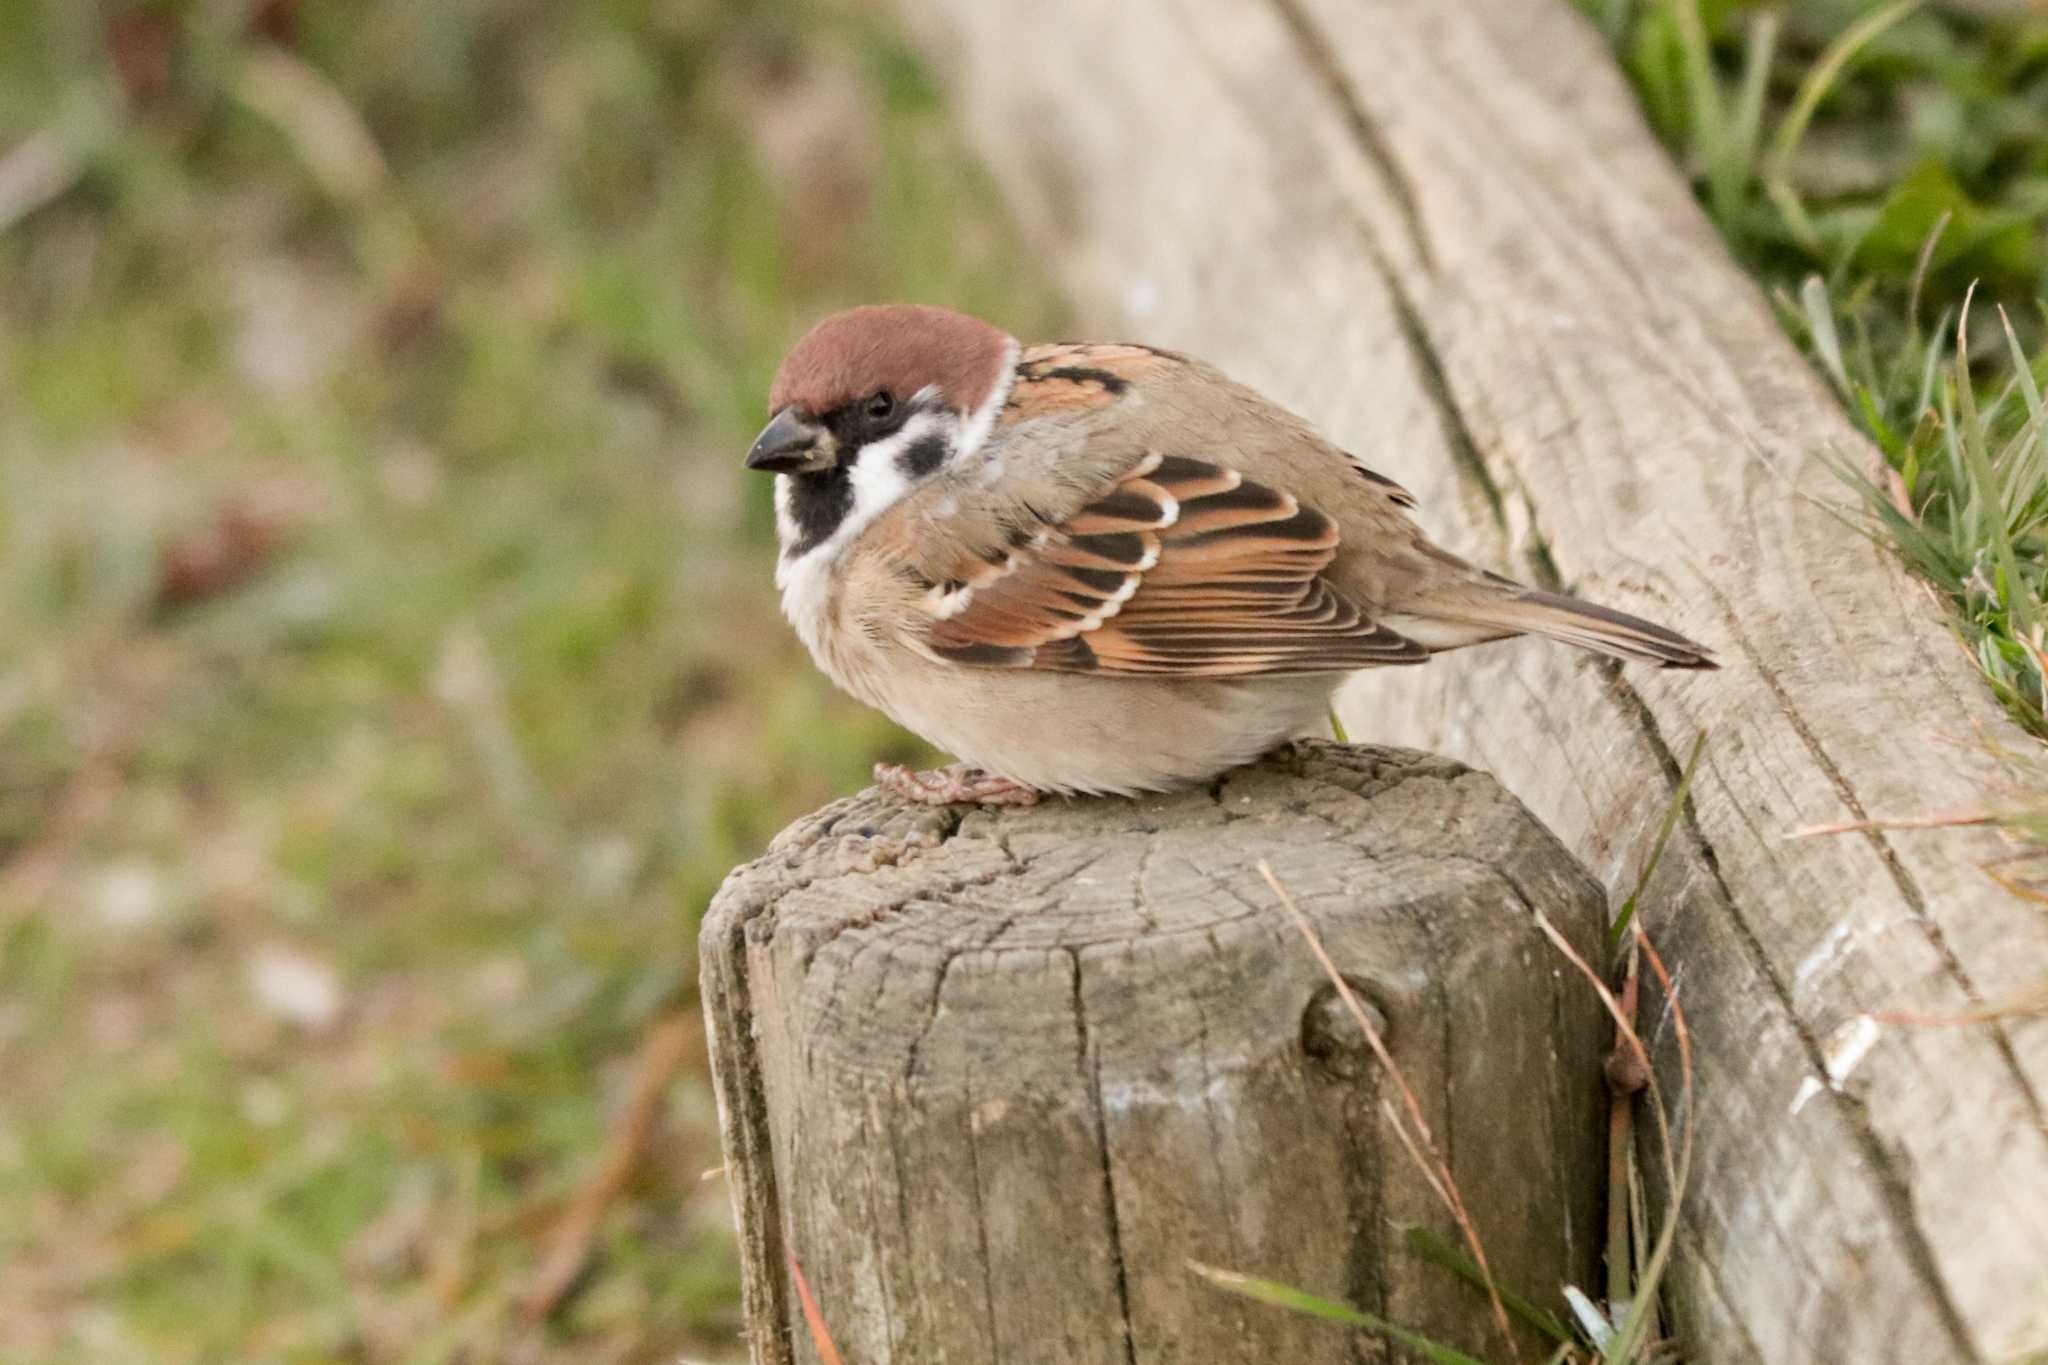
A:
1100, 568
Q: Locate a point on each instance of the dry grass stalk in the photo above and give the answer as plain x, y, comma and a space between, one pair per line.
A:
2031, 1003
1624, 1082
1939, 820
1434, 1168
1676, 1173
814, 1317
664, 1049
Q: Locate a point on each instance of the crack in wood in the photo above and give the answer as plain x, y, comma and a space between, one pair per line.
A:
891, 1317
1090, 1063
1004, 919
1209, 1108
883, 911
1429, 366
1710, 1270
1896, 1191
1436, 386
931, 1016
1364, 127
1315, 46
988, 1283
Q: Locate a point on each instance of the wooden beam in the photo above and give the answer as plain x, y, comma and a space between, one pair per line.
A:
1443, 232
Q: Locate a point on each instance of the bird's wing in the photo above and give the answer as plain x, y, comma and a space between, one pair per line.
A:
1179, 567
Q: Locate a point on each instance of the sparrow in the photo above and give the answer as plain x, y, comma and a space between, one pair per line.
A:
1101, 568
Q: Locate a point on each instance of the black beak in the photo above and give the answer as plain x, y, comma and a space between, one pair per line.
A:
789, 445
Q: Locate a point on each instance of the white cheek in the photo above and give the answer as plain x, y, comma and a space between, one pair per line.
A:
878, 478
982, 420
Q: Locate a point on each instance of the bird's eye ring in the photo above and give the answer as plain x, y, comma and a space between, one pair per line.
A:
880, 407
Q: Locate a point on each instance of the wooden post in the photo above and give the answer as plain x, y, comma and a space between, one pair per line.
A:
1441, 230
994, 1093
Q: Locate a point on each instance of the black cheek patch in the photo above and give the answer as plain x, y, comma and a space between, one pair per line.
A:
924, 456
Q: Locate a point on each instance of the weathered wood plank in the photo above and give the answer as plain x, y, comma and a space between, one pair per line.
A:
995, 1095
1443, 232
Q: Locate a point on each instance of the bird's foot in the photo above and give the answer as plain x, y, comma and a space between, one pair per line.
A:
959, 784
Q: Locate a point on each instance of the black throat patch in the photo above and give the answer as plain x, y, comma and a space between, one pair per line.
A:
817, 504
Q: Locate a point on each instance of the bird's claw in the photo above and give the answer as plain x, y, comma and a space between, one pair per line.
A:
956, 785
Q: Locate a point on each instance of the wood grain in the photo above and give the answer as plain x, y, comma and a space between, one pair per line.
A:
1443, 232
992, 1095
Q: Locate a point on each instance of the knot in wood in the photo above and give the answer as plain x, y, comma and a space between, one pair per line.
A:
1330, 1032
1624, 1069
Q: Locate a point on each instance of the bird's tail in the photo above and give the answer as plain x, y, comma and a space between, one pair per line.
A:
1500, 609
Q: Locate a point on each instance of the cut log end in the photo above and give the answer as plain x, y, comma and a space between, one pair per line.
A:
993, 1078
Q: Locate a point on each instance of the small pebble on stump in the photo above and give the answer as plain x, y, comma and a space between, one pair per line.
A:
994, 1078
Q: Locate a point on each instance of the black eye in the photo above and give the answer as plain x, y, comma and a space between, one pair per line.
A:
881, 407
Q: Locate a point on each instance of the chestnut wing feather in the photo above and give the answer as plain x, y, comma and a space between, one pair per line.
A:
1180, 568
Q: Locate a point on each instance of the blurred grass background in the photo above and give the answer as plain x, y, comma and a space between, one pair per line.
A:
389, 665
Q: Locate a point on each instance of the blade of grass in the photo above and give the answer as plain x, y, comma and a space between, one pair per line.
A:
1798, 222
1930, 368
1926, 258
1638, 1214
1820, 329
1988, 493
1821, 78
1813, 88
1299, 1301
1627, 916
1676, 1171
1939, 820
1735, 160
1702, 88
1629, 1336
1623, 1085
2022, 368
1428, 1245
1435, 1169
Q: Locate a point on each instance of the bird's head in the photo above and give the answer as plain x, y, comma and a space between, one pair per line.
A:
869, 404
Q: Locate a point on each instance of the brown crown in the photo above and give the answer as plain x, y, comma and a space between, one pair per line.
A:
896, 348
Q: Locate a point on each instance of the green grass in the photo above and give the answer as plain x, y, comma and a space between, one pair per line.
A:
1883, 169
473, 304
